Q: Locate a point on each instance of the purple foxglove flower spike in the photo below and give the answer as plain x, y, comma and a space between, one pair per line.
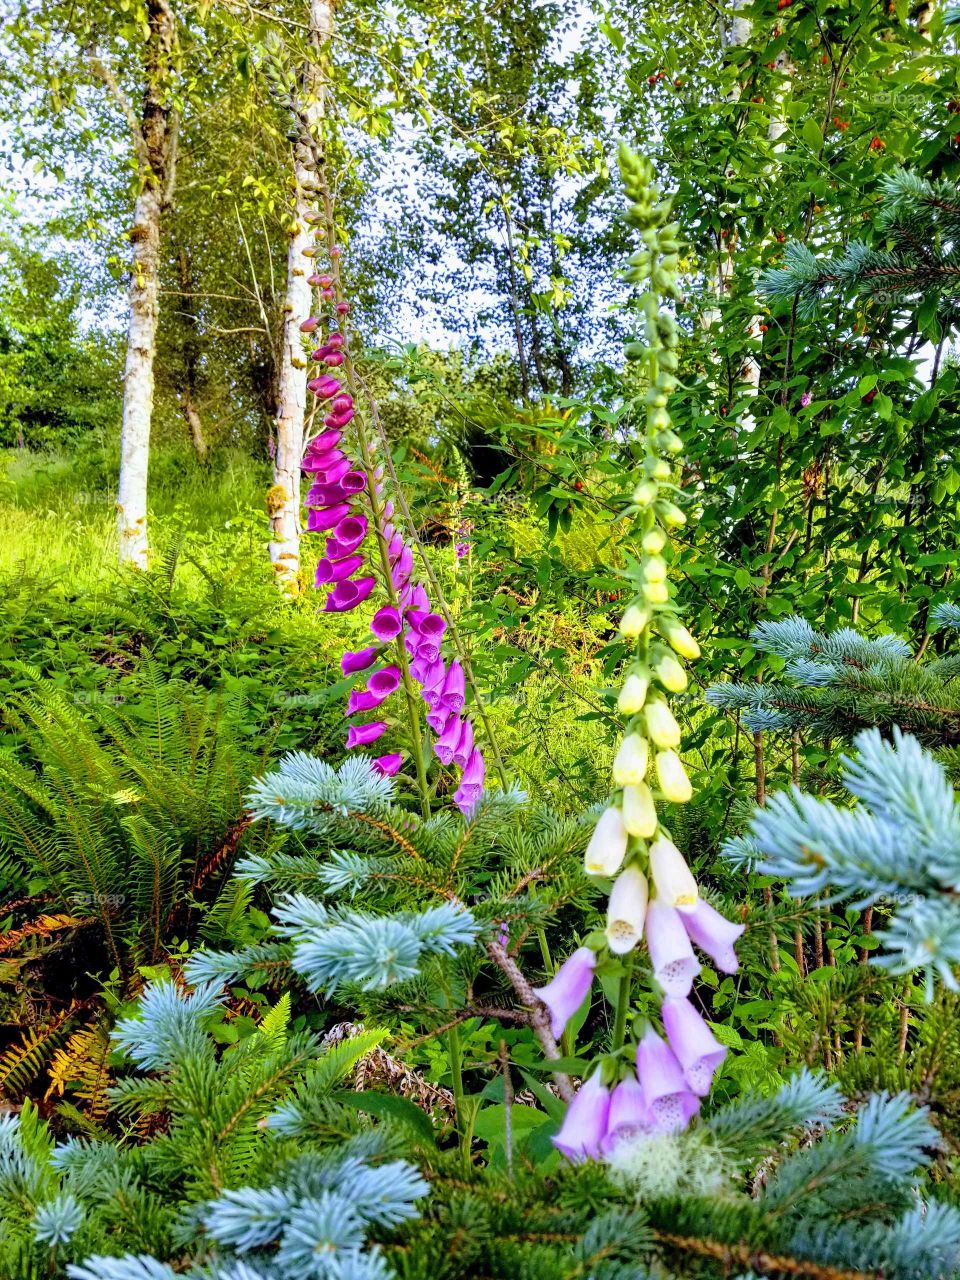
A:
388, 765
384, 681
347, 595
585, 1124
319, 521
337, 570
567, 989
359, 661
629, 1114
358, 735
697, 1049
674, 964
464, 746
670, 1098
714, 934
363, 700
446, 744
386, 623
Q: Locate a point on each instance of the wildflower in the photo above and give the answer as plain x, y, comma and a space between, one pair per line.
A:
634, 621
629, 1113
626, 911
633, 694
678, 637
674, 964
567, 989
670, 673
462, 549
585, 1124
359, 661
672, 777
388, 765
805, 399
361, 734
671, 1101
661, 725
713, 934
608, 844
347, 595
630, 762
673, 878
639, 811
697, 1049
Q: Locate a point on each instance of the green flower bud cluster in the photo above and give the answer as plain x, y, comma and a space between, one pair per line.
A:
652, 734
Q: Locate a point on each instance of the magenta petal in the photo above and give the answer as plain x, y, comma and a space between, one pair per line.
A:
384, 681
339, 420
359, 661
464, 746
320, 521
347, 595
437, 720
349, 534
332, 473
325, 440
354, 481
453, 691
446, 744
326, 495
337, 570
403, 568
430, 626
359, 735
363, 700
433, 683
386, 623
388, 765
585, 1123
420, 669
320, 462
394, 545
567, 989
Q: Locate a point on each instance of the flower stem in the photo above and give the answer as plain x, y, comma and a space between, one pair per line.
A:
455, 1053
623, 1006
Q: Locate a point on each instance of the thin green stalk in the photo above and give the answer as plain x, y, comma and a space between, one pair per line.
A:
623, 1006
455, 1053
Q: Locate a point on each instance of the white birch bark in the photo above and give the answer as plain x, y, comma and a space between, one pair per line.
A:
284, 497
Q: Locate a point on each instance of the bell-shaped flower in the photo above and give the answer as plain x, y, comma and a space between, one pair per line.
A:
359, 661
326, 495
349, 533
453, 693
608, 844
420, 669
697, 1049
634, 621
347, 595
670, 673
386, 623
319, 521
629, 1114
359, 735
567, 989
661, 725
426, 623
433, 682
403, 568
464, 748
354, 481
713, 934
671, 875
674, 964
394, 544
672, 777
363, 700
633, 694
333, 472
336, 570
388, 765
438, 720
471, 780
626, 910
630, 762
671, 1101
421, 646
325, 440
678, 637
321, 461
639, 811
384, 681
585, 1124
339, 420
446, 744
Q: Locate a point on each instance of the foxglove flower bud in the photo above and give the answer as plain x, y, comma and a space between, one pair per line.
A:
633, 694
360, 734
634, 621
670, 673
655, 569
608, 844
661, 726
359, 661
678, 637
655, 592
629, 1114
630, 762
672, 777
671, 875
347, 595
626, 910
639, 811
388, 765
654, 540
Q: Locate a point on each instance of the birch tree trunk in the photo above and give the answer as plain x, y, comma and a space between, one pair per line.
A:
155, 140
283, 500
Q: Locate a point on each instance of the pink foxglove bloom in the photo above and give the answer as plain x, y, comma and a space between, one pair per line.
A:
359, 661
348, 535
421, 646
462, 549
671, 1100
394, 544
325, 440
671, 875
452, 695
674, 964
388, 765
446, 744
363, 700
386, 623
384, 681
714, 934
326, 386
321, 460
805, 399
567, 989
320, 521
326, 495
629, 1113
697, 1049
335, 339
354, 482
339, 419
608, 844
464, 748
471, 783
585, 1124
347, 595
433, 684
420, 669
337, 570
332, 473
333, 358
403, 567
358, 735
438, 720
308, 325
